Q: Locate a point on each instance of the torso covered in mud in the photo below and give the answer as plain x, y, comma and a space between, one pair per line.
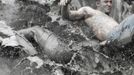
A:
101, 25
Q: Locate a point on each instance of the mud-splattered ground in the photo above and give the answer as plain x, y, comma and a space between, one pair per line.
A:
88, 57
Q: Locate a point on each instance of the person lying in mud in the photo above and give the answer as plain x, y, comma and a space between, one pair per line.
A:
100, 23
104, 27
52, 46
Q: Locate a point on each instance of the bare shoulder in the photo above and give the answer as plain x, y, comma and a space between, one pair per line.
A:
88, 10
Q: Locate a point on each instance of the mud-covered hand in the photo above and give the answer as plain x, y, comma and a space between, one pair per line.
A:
64, 2
105, 42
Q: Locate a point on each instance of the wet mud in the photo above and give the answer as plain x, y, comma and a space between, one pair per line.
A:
88, 57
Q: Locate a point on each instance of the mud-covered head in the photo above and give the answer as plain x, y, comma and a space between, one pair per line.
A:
104, 5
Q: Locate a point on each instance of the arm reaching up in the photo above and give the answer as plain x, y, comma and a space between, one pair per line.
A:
71, 14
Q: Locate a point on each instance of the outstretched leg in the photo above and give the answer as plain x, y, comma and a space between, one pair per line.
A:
51, 44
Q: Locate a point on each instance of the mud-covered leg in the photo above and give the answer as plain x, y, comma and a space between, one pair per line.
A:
123, 33
51, 44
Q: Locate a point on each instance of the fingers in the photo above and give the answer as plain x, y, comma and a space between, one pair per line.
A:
103, 43
68, 1
73, 8
64, 2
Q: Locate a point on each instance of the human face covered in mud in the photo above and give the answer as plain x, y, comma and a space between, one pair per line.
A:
104, 6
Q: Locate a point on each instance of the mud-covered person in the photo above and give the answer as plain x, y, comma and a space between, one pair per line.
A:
104, 27
100, 23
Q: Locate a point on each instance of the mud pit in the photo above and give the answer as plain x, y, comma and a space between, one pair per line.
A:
88, 57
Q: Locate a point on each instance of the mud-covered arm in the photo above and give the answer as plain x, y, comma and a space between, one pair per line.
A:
72, 14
